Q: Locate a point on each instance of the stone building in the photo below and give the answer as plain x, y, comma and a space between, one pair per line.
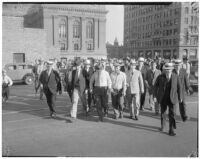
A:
116, 50
169, 30
49, 31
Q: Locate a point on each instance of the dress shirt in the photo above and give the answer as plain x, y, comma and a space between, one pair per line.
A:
100, 78
7, 80
118, 80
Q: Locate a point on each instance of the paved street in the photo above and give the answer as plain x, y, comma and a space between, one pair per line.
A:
28, 131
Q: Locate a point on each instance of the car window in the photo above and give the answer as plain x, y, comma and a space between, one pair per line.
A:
20, 67
12, 67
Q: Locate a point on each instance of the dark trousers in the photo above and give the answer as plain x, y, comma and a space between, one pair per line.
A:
88, 98
51, 99
171, 115
5, 93
100, 94
117, 102
106, 106
142, 99
182, 109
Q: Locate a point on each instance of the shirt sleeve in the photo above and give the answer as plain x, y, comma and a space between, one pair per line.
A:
109, 82
10, 81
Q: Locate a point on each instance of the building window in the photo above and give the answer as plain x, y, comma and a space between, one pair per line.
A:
186, 10
186, 20
176, 21
76, 46
90, 46
89, 30
76, 29
62, 29
18, 57
62, 46
175, 31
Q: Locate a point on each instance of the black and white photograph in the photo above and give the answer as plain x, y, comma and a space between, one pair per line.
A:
100, 79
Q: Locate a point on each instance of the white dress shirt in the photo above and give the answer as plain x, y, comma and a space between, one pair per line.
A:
118, 80
7, 80
100, 78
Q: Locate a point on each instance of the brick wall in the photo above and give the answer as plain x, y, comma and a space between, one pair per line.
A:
17, 39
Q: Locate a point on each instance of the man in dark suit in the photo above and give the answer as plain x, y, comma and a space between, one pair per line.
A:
87, 74
184, 82
168, 94
51, 84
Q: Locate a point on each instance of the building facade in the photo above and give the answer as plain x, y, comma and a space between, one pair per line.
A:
48, 31
116, 50
169, 30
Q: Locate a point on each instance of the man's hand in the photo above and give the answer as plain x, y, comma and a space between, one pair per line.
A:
181, 100
91, 90
154, 99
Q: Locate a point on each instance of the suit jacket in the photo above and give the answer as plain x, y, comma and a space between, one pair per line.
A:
87, 76
123, 68
151, 78
143, 70
80, 84
184, 81
135, 82
52, 82
160, 85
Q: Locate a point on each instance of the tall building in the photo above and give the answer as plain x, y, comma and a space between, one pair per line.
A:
169, 30
50, 31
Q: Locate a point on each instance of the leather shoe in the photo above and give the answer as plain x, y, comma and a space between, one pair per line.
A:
136, 117
171, 133
185, 119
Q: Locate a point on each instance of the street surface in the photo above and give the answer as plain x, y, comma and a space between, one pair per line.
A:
27, 130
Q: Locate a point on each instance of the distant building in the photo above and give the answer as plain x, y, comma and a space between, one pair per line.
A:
49, 31
115, 51
169, 30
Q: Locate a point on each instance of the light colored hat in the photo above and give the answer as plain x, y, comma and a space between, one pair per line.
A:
168, 66
87, 62
133, 62
116, 64
50, 62
141, 59
177, 62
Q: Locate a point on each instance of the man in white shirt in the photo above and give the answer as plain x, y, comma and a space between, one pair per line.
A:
118, 90
136, 87
102, 83
6, 83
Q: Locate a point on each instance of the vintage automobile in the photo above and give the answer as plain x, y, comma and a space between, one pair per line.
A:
20, 72
193, 78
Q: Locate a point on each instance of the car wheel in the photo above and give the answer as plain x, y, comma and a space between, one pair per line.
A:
29, 80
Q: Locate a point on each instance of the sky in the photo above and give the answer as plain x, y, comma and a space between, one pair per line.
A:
114, 23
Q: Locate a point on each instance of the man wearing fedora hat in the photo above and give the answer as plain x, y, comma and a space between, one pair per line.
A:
51, 84
87, 74
167, 91
118, 90
100, 82
184, 82
135, 87
142, 68
77, 86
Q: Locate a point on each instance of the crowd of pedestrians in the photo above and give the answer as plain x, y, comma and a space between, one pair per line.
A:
126, 81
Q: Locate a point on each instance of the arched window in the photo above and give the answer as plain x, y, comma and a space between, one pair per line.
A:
76, 29
62, 29
89, 30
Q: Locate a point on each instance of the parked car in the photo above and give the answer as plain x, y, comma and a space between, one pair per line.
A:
20, 72
193, 72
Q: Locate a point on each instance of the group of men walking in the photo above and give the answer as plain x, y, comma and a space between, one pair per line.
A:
127, 85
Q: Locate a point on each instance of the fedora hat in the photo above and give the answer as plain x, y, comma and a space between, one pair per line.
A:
168, 66
116, 64
50, 62
133, 62
177, 62
141, 59
87, 62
